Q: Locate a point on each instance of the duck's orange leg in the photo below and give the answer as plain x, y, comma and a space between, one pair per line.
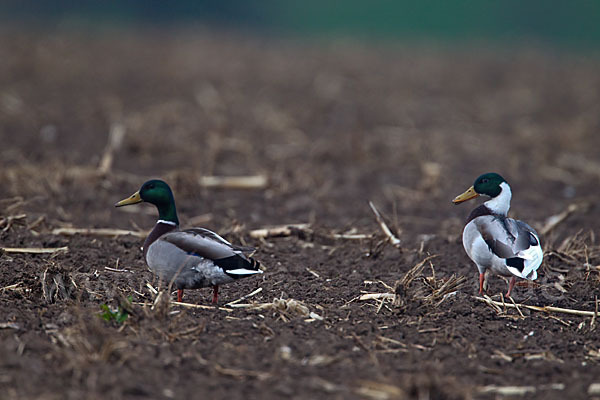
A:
511, 284
215, 294
481, 280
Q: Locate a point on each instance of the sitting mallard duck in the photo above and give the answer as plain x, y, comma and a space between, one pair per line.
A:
190, 258
504, 245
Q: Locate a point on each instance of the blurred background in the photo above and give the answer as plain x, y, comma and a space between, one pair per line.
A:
333, 103
571, 23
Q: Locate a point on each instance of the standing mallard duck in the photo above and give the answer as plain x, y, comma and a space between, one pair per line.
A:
190, 258
504, 245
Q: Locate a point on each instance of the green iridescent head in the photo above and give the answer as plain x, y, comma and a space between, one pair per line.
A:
155, 192
487, 184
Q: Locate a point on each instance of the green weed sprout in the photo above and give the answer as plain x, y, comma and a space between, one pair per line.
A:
119, 316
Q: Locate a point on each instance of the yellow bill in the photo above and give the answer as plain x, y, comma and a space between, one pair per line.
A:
468, 195
133, 199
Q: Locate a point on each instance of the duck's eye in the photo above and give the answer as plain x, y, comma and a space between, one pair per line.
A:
151, 186
485, 180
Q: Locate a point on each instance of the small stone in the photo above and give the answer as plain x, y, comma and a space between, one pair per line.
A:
594, 389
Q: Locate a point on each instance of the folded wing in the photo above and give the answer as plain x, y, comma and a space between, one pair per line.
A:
203, 243
515, 242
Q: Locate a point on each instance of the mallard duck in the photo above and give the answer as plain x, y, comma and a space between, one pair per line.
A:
506, 246
190, 258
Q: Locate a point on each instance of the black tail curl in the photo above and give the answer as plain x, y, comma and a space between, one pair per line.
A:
254, 263
237, 262
516, 262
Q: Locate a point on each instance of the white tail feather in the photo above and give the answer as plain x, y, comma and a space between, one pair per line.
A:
533, 259
243, 271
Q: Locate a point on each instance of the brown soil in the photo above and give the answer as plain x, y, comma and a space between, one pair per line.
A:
332, 126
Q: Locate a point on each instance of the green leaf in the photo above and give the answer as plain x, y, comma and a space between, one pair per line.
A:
118, 316
121, 317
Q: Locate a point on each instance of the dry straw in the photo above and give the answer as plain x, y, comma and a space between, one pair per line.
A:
414, 286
